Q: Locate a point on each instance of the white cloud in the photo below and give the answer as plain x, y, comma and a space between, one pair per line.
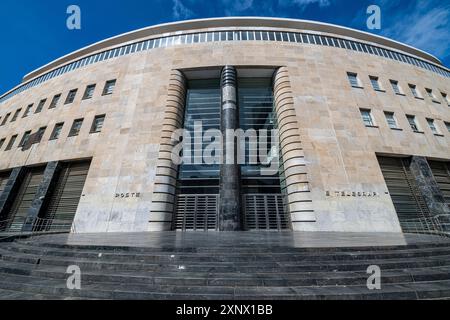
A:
424, 26
304, 3
180, 11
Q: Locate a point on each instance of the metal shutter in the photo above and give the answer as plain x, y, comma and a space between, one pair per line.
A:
411, 208
264, 212
4, 177
197, 212
24, 199
441, 172
65, 197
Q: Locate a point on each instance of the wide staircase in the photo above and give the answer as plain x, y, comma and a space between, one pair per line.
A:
37, 270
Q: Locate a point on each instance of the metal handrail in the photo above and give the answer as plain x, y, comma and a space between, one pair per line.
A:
38, 225
431, 225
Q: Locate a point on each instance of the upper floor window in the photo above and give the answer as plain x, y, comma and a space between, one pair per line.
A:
413, 123
396, 87
56, 131
431, 94
375, 83
40, 134
76, 127
97, 124
71, 96
89, 93
391, 120
11, 142
354, 80
446, 99
55, 101
27, 111
6, 118
109, 87
367, 117
447, 125
433, 127
25, 138
414, 91
16, 115
40, 105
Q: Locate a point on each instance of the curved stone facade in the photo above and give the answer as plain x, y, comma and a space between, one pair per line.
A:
331, 177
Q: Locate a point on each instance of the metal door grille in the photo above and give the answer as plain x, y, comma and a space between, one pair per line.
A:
197, 212
24, 199
441, 172
4, 177
265, 212
411, 208
65, 197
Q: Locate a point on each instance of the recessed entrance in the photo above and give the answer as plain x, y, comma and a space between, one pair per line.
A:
197, 204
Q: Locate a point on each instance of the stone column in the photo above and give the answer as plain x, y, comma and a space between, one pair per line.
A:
163, 199
43, 191
230, 197
10, 191
295, 184
430, 191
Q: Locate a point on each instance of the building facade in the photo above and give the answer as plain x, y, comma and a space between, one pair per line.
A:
362, 123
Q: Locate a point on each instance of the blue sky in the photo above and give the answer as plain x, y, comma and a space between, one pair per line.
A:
34, 32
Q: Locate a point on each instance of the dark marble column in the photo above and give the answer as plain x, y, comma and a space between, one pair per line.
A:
430, 191
230, 197
10, 191
44, 189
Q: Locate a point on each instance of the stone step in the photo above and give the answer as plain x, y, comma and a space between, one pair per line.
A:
250, 249
237, 279
270, 267
424, 290
228, 257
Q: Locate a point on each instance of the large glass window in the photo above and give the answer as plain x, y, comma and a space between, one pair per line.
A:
256, 112
203, 102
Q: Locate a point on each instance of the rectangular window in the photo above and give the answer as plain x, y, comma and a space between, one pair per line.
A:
391, 120
413, 123
55, 101
367, 117
375, 83
25, 138
57, 131
2, 141
89, 92
354, 81
396, 87
109, 87
444, 95
27, 111
447, 125
40, 106
414, 91
97, 124
430, 94
71, 96
40, 134
5, 119
76, 127
16, 115
11, 142
433, 127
